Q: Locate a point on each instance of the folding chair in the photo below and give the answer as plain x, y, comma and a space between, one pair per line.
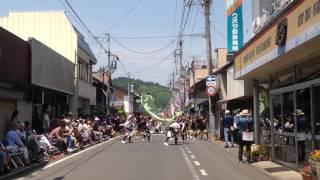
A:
15, 158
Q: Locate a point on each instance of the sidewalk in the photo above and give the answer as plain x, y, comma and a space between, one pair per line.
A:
270, 168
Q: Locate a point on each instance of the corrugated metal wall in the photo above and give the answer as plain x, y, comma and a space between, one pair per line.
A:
51, 28
14, 58
49, 69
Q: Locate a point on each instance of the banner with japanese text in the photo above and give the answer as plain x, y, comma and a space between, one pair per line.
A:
235, 25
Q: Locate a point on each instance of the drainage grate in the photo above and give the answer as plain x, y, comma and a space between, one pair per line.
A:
276, 169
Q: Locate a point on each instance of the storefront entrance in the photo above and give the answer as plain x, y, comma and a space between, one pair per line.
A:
295, 115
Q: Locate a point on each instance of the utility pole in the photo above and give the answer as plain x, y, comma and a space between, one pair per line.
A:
109, 74
207, 7
181, 97
129, 109
173, 92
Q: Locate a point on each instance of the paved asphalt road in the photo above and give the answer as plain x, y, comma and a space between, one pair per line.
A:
194, 160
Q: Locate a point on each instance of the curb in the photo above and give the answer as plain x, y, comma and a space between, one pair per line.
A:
22, 170
44, 163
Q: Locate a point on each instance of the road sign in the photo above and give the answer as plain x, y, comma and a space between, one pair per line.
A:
211, 81
211, 91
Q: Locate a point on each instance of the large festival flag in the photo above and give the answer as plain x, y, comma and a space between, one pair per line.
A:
149, 106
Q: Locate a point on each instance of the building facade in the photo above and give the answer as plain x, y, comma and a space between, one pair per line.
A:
101, 80
51, 80
14, 76
54, 29
282, 60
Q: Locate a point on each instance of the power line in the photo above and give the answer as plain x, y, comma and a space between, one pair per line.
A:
219, 33
175, 18
88, 30
195, 19
122, 66
154, 37
156, 64
85, 26
71, 14
144, 37
181, 22
146, 52
125, 15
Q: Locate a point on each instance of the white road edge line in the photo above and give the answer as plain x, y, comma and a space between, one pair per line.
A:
203, 172
71, 156
193, 157
197, 163
193, 171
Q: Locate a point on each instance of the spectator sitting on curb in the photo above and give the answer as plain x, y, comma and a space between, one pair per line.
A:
29, 142
15, 144
67, 131
4, 161
56, 136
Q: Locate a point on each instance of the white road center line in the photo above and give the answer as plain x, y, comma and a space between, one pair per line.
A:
193, 157
193, 171
189, 152
203, 172
197, 163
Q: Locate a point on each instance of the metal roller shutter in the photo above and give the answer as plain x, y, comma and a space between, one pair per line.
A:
6, 109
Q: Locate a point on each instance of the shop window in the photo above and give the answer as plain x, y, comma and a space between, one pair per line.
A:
288, 119
303, 112
264, 113
303, 115
308, 71
317, 111
277, 120
282, 79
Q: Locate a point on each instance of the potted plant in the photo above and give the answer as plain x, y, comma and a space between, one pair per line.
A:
264, 154
314, 160
306, 173
255, 152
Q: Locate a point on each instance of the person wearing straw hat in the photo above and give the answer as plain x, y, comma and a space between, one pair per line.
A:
245, 134
228, 128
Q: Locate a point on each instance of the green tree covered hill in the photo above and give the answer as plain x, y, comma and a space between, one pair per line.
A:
160, 93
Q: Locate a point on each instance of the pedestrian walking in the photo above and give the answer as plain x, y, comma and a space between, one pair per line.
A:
228, 128
245, 134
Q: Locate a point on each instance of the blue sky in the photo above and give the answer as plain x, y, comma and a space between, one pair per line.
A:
149, 18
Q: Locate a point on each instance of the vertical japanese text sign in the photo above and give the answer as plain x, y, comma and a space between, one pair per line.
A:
235, 29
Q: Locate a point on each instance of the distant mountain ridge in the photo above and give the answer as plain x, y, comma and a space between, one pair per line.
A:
160, 93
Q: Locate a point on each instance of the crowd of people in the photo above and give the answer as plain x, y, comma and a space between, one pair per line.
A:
57, 137
187, 127
66, 135
239, 127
